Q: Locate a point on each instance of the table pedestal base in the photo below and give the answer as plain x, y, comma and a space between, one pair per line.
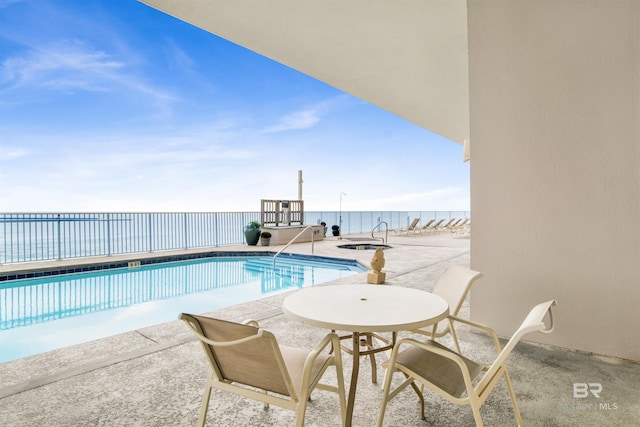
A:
365, 339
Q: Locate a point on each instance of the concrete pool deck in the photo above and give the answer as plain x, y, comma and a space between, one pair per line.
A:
155, 376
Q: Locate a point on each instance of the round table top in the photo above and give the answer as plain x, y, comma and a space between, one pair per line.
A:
365, 308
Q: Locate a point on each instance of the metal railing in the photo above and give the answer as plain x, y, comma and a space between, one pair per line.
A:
384, 239
308, 227
28, 237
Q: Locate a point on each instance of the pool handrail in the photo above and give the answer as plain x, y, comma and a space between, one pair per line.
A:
308, 227
386, 228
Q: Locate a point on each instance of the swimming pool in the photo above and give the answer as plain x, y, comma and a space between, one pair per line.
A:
46, 313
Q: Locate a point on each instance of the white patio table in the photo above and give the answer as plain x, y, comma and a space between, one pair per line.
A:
364, 308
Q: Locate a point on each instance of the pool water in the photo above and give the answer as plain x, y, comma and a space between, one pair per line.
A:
38, 315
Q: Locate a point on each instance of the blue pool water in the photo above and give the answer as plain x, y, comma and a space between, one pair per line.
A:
38, 315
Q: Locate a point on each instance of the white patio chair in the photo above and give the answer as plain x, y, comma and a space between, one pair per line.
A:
247, 361
452, 375
453, 285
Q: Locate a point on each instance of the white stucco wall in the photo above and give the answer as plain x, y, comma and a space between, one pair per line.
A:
555, 168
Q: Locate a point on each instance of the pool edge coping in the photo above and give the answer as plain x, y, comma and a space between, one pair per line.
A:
84, 265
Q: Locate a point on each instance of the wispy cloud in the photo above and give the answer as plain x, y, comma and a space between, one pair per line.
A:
177, 56
308, 117
58, 67
297, 120
11, 153
72, 66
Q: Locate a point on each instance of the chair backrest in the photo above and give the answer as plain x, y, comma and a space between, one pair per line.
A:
242, 353
534, 322
428, 224
454, 285
438, 224
454, 224
413, 223
463, 223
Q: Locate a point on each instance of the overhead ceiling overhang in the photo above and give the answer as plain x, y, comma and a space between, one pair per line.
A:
408, 57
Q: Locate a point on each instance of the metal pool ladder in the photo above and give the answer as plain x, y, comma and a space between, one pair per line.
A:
386, 229
308, 227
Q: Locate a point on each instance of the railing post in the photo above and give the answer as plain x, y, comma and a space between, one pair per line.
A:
185, 231
59, 240
149, 231
215, 229
108, 234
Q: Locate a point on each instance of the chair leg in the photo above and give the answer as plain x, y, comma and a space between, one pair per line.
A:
513, 399
341, 392
475, 404
476, 416
301, 410
452, 331
418, 391
385, 395
388, 395
205, 401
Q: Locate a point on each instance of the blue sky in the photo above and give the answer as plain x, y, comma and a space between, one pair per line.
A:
113, 106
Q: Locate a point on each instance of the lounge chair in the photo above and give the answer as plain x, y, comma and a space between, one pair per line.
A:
433, 227
247, 361
463, 230
444, 227
452, 375
410, 229
452, 224
425, 228
458, 225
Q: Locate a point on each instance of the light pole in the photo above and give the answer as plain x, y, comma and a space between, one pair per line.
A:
340, 221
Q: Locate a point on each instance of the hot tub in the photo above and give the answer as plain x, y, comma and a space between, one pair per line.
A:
365, 246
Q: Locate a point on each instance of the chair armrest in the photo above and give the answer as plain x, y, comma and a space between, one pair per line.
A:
259, 334
331, 338
485, 328
471, 323
251, 322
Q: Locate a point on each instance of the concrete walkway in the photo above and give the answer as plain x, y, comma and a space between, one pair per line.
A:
155, 376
